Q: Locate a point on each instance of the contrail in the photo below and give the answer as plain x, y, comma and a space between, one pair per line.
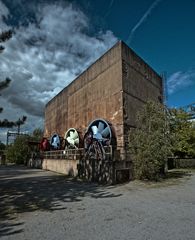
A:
109, 8
142, 20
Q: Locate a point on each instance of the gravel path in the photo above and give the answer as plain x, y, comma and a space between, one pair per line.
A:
36, 204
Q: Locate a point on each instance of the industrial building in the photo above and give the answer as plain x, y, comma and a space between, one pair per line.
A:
112, 89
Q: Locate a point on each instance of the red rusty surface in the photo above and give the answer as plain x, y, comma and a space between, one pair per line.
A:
113, 88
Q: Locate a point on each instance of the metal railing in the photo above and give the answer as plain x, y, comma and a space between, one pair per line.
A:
73, 154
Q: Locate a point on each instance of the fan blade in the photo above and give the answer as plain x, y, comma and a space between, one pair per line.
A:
105, 132
74, 135
100, 127
94, 129
70, 140
76, 141
71, 133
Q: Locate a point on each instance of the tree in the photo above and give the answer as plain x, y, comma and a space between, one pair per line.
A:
150, 141
37, 134
4, 36
20, 122
18, 152
2, 152
4, 84
2, 146
9, 124
183, 132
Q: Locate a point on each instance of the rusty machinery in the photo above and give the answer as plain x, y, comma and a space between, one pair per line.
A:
55, 142
72, 139
44, 144
99, 135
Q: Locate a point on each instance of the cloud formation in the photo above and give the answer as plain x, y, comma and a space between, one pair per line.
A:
142, 20
179, 80
4, 12
46, 55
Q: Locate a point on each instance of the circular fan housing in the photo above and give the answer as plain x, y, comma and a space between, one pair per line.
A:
72, 138
44, 144
55, 142
99, 129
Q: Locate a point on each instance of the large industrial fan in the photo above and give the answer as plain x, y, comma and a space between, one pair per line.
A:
44, 145
72, 138
100, 130
97, 137
98, 143
55, 142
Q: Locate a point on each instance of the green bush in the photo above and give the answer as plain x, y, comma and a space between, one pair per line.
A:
183, 132
150, 142
18, 152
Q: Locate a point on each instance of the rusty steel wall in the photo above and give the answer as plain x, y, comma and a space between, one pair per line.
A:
114, 88
140, 83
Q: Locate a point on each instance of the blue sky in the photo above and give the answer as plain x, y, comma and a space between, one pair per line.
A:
55, 40
165, 39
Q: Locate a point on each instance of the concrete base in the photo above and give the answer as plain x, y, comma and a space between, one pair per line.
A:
105, 172
35, 163
64, 166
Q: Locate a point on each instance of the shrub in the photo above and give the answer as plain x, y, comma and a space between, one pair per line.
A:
150, 142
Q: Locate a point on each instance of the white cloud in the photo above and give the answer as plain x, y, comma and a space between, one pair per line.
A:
45, 56
4, 12
179, 80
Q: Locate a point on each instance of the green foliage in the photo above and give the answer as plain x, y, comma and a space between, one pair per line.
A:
183, 132
37, 134
4, 36
2, 149
9, 124
18, 152
2, 146
150, 142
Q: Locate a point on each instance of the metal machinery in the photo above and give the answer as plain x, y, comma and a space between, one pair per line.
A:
97, 164
44, 144
55, 142
98, 141
95, 160
98, 136
72, 139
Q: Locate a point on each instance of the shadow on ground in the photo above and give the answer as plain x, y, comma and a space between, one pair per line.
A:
177, 174
25, 190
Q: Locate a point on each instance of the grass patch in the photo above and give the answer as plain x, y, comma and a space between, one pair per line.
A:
173, 177
178, 173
